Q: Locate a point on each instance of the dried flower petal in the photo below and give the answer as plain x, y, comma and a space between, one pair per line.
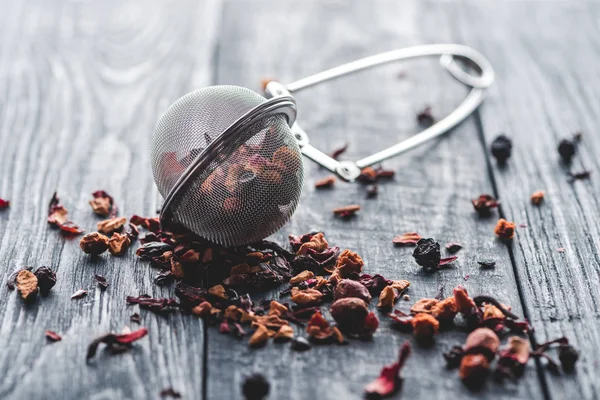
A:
325, 182
389, 381
170, 392
301, 277
317, 242
504, 229
202, 309
484, 203
218, 291
367, 175
464, 304
579, 175
116, 343
260, 336
118, 244
53, 336
27, 284
537, 197
94, 243
4, 204
453, 247
346, 211
445, 310
108, 226
58, 216
339, 151
307, 297
409, 238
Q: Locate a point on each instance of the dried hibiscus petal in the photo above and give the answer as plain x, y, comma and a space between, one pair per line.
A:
102, 282
53, 336
103, 204
58, 216
389, 381
116, 343
484, 203
152, 304
409, 238
4, 204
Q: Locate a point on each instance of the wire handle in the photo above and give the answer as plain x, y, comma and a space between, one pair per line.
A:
349, 170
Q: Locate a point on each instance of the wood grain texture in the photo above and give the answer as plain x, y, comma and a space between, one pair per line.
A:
81, 87
430, 194
546, 57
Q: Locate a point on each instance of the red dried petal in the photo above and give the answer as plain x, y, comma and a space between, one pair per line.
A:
53, 336
4, 204
447, 260
70, 228
131, 337
389, 380
409, 238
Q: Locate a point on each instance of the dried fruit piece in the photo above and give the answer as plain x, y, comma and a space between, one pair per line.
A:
202, 309
346, 211
409, 238
325, 182
351, 288
537, 197
103, 204
482, 341
110, 225
424, 327
58, 216
260, 336
318, 328
27, 284
388, 297
445, 310
389, 381
474, 368
453, 247
339, 151
501, 148
46, 279
349, 264
512, 358
367, 175
568, 356
307, 297
94, 243
118, 244
301, 277
424, 306
284, 333
102, 282
116, 343
350, 314
484, 203
79, 294
504, 229
427, 254
317, 242
53, 336
4, 204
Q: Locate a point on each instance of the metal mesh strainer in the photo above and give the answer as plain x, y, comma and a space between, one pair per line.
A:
227, 164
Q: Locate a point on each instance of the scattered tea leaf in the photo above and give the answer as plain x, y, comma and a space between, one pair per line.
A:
58, 216
453, 247
487, 263
579, 175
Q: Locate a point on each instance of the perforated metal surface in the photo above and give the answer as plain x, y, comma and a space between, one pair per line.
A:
249, 189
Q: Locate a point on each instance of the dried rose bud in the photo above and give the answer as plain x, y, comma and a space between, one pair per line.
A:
350, 314
260, 336
202, 309
348, 264
307, 297
46, 279
301, 277
568, 356
482, 341
504, 229
317, 243
110, 225
474, 368
424, 306
387, 297
424, 327
284, 333
118, 244
537, 197
346, 211
445, 310
350, 288
27, 284
94, 243
325, 182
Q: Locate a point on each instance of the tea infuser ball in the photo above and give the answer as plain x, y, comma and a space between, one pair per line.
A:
226, 162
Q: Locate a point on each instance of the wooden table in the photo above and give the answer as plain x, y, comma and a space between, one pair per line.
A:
83, 83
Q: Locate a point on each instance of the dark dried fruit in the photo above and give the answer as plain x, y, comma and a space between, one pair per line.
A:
170, 392
152, 304
4, 204
351, 288
568, 356
427, 254
487, 263
46, 279
453, 247
27, 284
483, 204
102, 282
94, 243
300, 344
501, 148
350, 314
566, 150
255, 387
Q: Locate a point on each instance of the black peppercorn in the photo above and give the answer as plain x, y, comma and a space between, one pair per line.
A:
501, 148
427, 254
566, 149
568, 357
300, 344
46, 279
255, 387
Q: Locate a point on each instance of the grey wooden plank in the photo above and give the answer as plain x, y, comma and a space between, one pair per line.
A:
81, 87
546, 55
430, 194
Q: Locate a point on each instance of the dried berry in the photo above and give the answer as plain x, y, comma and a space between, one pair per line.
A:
427, 254
474, 368
255, 387
318, 328
568, 356
512, 358
4, 204
389, 380
375, 283
482, 341
505, 230
346, 211
94, 243
566, 150
464, 304
409, 238
484, 203
350, 314
325, 182
537, 198
350, 288
46, 279
300, 344
27, 284
501, 148
109, 226
118, 244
